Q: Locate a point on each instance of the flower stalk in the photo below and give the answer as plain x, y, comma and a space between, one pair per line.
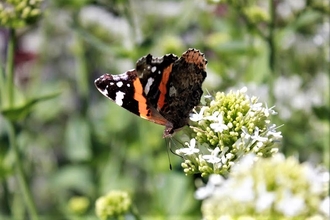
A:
31, 207
10, 66
15, 14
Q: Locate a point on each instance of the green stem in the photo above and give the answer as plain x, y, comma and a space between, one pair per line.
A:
20, 174
253, 26
82, 68
81, 72
6, 204
272, 49
11, 128
271, 37
3, 88
135, 212
10, 66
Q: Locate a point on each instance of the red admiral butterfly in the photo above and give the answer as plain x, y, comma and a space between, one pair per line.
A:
163, 90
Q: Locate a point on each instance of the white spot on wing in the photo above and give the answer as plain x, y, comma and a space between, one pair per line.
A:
115, 77
119, 98
149, 83
128, 85
153, 69
157, 60
123, 76
119, 84
111, 83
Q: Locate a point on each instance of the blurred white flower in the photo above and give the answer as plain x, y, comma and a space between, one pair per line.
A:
299, 97
290, 205
277, 188
315, 179
242, 191
285, 9
324, 207
265, 199
205, 191
322, 35
297, 5
113, 24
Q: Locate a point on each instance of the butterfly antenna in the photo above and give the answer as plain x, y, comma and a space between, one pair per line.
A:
167, 142
173, 138
208, 92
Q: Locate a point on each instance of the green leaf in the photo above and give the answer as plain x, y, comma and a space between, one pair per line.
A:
74, 177
307, 19
78, 140
19, 112
6, 163
174, 194
72, 4
234, 47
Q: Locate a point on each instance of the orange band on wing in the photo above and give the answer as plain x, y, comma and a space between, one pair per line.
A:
145, 111
138, 96
162, 87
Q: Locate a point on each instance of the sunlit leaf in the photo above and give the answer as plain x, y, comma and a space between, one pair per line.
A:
16, 113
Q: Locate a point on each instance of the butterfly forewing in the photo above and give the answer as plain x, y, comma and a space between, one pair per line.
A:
126, 91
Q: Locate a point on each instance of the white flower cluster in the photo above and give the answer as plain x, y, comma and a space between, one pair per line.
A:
226, 128
274, 187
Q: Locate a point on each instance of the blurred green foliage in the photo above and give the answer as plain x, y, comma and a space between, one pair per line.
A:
78, 144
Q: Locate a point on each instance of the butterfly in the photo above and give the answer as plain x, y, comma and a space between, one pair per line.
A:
163, 90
